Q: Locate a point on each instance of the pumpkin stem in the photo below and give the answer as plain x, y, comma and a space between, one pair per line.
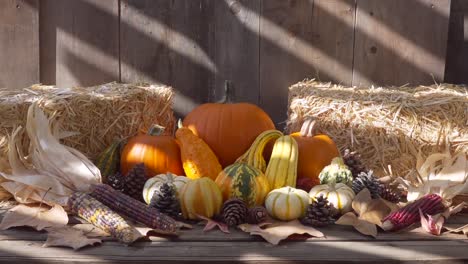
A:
227, 98
156, 130
309, 128
179, 123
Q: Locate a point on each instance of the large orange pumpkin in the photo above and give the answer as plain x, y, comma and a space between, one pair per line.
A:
315, 152
160, 154
228, 128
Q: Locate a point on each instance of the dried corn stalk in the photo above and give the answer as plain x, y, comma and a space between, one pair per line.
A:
49, 172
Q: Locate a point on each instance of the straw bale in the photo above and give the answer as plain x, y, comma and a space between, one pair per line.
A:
93, 117
388, 126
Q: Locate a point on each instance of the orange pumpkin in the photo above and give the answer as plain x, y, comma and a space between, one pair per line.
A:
228, 128
315, 152
160, 154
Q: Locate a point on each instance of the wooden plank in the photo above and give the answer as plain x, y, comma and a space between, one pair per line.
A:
251, 252
79, 42
457, 48
19, 43
296, 43
167, 42
400, 41
236, 48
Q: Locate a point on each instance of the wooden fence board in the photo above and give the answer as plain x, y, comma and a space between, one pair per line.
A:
236, 48
457, 48
296, 44
19, 43
80, 44
400, 41
167, 42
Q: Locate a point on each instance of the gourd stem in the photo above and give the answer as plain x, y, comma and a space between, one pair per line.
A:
156, 130
227, 98
309, 128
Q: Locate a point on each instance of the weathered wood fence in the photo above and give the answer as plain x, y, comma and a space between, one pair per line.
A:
263, 46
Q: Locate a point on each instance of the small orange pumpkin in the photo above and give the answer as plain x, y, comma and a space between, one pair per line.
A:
228, 128
315, 152
160, 154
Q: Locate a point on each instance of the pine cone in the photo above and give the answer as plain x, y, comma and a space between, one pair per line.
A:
390, 195
367, 180
320, 213
352, 159
165, 200
116, 181
135, 181
234, 212
257, 215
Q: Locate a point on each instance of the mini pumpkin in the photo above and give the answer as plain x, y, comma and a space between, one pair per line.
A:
287, 203
339, 194
159, 153
200, 197
315, 152
228, 128
244, 182
154, 184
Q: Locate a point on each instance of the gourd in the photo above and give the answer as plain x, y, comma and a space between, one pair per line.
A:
287, 203
228, 128
339, 194
197, 158
154, 183
315, 152
254, 155
337, 172
282, 168
200, 197
159, 153
108, 161
245, 182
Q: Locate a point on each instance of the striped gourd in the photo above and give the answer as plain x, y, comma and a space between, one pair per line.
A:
108, 161
282, 168
155, 183
287, 203
244, 182
339, 194
337, 172
102, 217
200, 197
254, 155
133, 209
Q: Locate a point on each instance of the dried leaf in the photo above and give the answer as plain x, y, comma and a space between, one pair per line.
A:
90, 230
462, 229
279, 231
364, 227
211, 224
68, 237
38, 217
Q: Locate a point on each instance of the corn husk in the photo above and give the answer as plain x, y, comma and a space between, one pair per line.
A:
389, 126
48, 172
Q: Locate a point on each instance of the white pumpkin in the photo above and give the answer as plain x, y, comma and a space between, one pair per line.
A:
339, 194
154, 183
287, 203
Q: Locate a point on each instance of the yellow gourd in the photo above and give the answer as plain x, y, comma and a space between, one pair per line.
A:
198, 160
254, 155
200, 197
282, 168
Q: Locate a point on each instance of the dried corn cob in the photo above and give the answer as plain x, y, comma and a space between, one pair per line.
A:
133, 209
102, 217
430, 204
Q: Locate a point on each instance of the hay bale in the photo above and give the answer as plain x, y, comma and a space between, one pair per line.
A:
388, 126
99, 115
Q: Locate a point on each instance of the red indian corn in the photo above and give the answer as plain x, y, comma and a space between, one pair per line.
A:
134, 209
404, 217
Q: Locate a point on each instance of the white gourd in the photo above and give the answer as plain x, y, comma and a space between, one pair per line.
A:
339, 194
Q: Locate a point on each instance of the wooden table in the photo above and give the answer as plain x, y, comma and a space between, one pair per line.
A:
341, 245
